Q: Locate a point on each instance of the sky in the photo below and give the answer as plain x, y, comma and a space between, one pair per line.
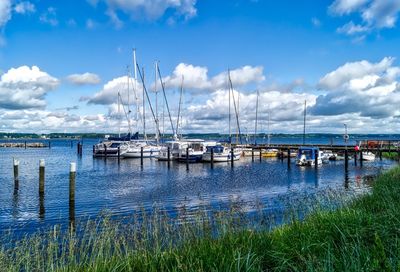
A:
64, 65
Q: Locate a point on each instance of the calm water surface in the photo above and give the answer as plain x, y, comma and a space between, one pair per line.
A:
125, 187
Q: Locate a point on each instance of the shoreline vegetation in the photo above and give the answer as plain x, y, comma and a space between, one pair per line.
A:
361, 235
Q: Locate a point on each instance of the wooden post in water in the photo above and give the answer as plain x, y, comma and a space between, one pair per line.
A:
281, 153
105, 151
187, 158
141, 156
260, 154
93, 150
169, 156
25, 144
41, 177
361, 158
119, 154
72, 176
252, 154
288, 157
77, 148
346, 159
355, 158
81, 149
316, 159
232, 156
212, 157
16, 172
380, 154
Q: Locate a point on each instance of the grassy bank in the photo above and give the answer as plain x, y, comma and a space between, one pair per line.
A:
364, 235
392, 155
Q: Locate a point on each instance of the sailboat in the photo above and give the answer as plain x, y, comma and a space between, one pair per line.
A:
142, 148
270, 152
223, 153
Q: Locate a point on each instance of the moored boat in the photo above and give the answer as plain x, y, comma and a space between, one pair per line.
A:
221, 154
306, 156
368, 156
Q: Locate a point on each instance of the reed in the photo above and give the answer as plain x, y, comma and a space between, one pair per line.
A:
311, 233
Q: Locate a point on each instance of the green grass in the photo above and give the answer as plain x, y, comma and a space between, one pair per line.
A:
392, 155
361, 236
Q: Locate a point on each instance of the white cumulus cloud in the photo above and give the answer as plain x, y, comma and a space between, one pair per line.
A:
374, 14
25, 87
84, 79
148, 9
24, 8
5, 12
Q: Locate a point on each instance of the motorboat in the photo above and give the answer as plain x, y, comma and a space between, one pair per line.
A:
175, 148
328, 155
270, 153
193, 150
220, 153
368, 156
306, 156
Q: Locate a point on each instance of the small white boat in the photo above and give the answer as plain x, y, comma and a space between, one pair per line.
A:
195, 149
175, 148
306, 156
133, 149
221, 154
368, 156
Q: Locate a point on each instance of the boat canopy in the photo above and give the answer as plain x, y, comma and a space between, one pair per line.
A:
309, 152
217, 148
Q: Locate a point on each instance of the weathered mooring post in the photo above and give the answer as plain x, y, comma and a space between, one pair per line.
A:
78, 148
288, 157
316, 159
232, 155
25, 144
105, 151
212, 157
93, 150
361, 158
355, 158
16, 170
260, 154
169, 156
281, 154
252, 154
380, 154
141, 156
72, 176
346, 159
119, 155
41, 176
187, 158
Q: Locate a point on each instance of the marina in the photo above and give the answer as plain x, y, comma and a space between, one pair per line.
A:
121, 186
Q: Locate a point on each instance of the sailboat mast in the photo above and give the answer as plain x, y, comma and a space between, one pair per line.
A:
229, 112
165, 99
269, 120
144, 109
234, 106
155, 90
119, 116
179, 109
304, 124
255, 125
135, 89
129, 108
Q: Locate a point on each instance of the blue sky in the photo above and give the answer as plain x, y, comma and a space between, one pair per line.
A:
62, 63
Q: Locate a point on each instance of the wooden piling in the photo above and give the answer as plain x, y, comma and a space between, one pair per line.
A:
78, 148
168, 156
25, 144
119, 154
355, 158
41, 176
72, 176
252, 154
105, 151
187, 158
212, 157
346, 159
232, 155
16, 170
288, 157
316, 159
380, 154
141, 156
260, 154
361, 158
